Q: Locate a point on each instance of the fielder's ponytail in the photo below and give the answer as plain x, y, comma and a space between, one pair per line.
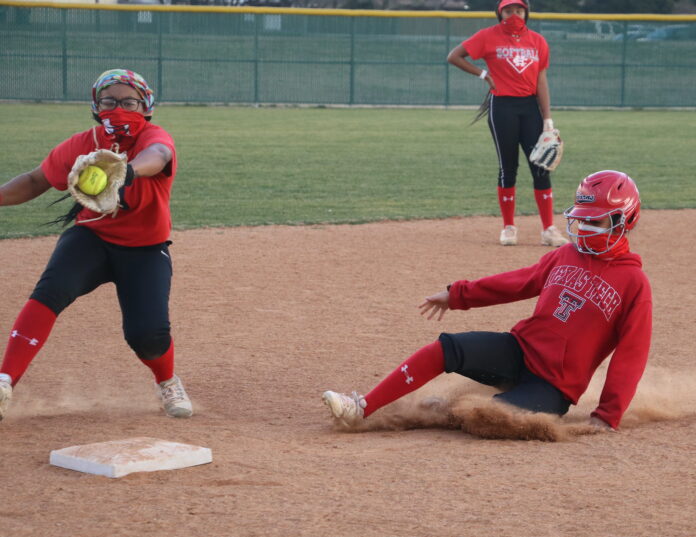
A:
483, 109
68, 217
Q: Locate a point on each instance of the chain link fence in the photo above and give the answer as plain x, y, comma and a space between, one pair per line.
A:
254, 55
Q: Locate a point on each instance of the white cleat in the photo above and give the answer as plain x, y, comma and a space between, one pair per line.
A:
508, 236
552, 237
5, 394
175, 402
345, 409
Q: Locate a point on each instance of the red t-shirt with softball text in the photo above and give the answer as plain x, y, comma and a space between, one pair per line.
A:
513, 64
145, 218
587, 309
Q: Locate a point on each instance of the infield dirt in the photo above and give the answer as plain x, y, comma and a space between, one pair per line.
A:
265, 319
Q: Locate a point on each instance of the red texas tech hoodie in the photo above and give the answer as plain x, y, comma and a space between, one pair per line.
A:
587, 309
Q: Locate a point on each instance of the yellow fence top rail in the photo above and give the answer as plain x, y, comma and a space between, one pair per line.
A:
347, 12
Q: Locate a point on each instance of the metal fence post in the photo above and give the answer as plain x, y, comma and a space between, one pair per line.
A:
160, 87
256, 58
351, 98
447, 69
64, 20
623, 63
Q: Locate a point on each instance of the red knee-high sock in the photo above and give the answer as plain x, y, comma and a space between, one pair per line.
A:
423, 366
162, 367
544, 201
506, 200
29, 333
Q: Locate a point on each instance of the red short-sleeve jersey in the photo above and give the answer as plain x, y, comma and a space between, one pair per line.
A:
145, 218
514, 64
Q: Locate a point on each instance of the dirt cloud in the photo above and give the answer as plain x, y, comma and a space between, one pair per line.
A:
452, 402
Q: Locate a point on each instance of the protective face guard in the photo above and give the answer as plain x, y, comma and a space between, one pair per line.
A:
616, 231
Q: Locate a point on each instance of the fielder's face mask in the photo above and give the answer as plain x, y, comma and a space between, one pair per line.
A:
119, 123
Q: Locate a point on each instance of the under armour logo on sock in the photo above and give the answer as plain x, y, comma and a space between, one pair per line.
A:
32, 341
511, 198
547, 196
409, 378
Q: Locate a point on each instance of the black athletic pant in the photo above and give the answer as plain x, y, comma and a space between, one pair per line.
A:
81, 262
496, 359
515, 122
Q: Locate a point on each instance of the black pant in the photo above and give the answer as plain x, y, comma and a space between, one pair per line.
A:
515, 122
496, 359
81, 262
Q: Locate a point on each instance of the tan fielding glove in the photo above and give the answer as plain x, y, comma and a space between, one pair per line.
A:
115, 167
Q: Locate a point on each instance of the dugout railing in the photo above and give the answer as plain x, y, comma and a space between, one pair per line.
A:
192, 54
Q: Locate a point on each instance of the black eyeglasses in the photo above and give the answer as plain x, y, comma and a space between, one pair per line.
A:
130, 104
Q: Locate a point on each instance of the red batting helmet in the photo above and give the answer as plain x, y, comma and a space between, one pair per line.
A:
607, 193
504, 3
603, 194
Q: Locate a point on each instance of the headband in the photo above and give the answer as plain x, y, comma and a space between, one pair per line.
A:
123, 76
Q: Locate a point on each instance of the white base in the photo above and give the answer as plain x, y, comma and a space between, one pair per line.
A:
117, 458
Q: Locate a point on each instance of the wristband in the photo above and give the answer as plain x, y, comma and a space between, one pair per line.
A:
483, 75
548, 124
130, 175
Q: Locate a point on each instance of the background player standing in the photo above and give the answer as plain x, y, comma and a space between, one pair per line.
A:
518, 107
594, 300
129, 248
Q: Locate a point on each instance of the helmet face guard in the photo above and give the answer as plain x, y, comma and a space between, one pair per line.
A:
503, 3
606, 194
586, 237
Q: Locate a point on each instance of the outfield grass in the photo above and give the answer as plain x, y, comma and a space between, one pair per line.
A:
255, 166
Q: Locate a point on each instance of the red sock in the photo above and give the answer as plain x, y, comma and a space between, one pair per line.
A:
162, 367
544, 201
423, 366
29, 333
506, 200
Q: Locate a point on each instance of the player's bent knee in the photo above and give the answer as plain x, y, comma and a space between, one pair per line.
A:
148, 345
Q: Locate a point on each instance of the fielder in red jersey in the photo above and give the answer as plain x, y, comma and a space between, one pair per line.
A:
518, 107
129, 248
147, 219
594, 301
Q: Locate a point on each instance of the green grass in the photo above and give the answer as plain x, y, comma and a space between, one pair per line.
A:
255, 166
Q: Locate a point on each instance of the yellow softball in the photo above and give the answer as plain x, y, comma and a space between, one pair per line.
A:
92, 180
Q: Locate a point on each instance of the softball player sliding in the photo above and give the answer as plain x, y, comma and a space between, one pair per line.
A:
128, 248
518, 107
594, 300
